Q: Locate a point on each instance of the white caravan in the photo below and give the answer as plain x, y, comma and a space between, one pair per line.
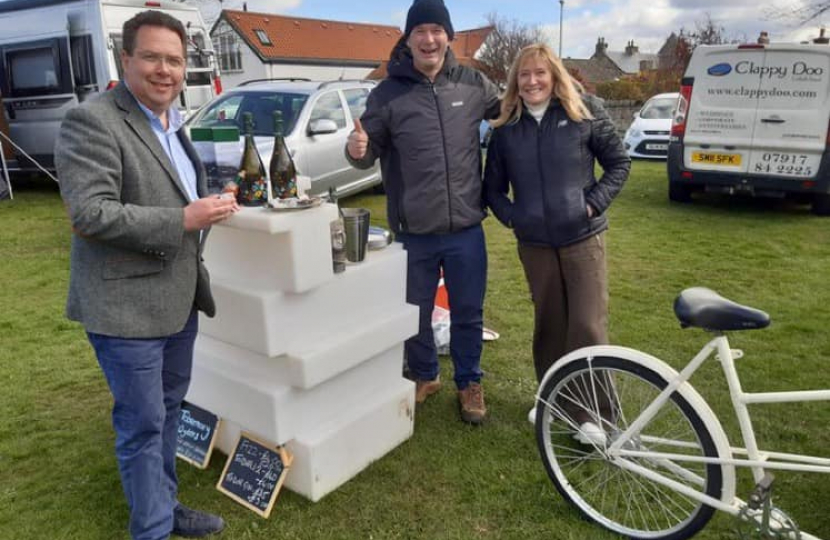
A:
54, 54
754, 119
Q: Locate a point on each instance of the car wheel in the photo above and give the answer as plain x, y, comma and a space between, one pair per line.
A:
821, 204
680, 193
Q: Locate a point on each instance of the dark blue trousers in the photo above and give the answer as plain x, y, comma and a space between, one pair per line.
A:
148, 379
462, 256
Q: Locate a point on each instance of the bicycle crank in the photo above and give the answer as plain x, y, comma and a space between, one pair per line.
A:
759, 519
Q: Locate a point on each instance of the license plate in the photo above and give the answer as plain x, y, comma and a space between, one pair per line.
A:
711, 158
657, 147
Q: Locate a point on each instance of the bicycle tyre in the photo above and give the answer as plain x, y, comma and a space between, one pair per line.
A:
640, 508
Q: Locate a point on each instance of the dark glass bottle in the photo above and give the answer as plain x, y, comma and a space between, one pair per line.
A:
251, 179
283, 172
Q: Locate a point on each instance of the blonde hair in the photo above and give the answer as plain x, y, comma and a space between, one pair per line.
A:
566, 88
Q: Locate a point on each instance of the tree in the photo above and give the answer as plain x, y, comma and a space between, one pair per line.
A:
210, 9
801, 13
503, 44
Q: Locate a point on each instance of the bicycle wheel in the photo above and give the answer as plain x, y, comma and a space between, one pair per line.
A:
612, 392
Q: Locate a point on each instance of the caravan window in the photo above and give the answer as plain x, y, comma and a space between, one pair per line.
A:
39, 68
83, 64
33, 69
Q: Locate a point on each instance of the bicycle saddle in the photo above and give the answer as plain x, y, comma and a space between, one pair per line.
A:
704, 308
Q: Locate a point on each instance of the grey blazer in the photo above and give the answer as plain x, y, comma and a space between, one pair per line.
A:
134, 271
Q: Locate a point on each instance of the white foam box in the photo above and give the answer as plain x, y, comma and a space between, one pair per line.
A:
274, 323
329, 454
273, 251
264, 402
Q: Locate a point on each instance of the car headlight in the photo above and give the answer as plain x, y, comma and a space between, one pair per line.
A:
633, 133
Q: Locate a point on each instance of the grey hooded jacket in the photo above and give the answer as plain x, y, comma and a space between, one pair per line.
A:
427, 138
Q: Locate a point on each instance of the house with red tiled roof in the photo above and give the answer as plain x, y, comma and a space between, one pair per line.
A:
252, 45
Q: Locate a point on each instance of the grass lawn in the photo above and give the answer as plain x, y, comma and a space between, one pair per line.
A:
58, 477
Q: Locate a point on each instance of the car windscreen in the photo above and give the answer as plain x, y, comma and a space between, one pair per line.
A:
228, 110
659, 109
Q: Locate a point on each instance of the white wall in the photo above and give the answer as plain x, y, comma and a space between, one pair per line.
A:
317, 73
252, 68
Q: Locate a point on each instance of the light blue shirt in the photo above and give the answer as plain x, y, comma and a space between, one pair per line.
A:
173, 146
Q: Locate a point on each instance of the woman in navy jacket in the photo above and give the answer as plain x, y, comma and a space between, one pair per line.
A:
539, 181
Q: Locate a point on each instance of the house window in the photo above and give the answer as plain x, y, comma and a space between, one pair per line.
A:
263, 37
228, 51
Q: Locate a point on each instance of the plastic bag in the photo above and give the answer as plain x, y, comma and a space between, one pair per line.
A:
441, 329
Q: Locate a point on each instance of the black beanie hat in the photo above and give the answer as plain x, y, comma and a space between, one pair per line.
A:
429, 12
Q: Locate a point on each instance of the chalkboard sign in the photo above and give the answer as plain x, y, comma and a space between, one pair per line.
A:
197, 433
254, 474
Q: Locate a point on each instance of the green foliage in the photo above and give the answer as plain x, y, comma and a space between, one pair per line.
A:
58, 477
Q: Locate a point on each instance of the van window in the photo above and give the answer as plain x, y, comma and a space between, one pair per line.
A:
356, 99
83, 64
328, 107
195, 59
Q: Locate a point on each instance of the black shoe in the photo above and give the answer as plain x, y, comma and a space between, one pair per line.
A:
194, 524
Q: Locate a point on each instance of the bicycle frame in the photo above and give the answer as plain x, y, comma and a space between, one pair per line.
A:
756, 459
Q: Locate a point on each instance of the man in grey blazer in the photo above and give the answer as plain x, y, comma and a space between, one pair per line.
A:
137, 199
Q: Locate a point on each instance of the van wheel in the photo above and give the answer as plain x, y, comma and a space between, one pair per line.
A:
680, 193
821, 204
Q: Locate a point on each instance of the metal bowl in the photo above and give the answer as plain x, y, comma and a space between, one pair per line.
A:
379, 238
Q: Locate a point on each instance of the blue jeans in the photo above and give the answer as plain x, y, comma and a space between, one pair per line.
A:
148, 379
462, 256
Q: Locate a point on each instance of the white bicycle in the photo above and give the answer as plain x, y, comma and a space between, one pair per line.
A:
661, 463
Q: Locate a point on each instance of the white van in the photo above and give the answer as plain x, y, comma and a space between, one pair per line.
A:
754, 119
55, 54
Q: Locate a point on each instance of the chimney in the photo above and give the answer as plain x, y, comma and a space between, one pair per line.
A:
763, 38
601, 47
821, 39
631, 49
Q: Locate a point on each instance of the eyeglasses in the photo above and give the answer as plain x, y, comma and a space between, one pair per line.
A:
175, 62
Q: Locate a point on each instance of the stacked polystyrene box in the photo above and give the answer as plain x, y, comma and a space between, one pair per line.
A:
301, 356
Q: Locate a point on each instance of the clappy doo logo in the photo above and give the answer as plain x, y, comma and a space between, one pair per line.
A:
719, 70
748, 67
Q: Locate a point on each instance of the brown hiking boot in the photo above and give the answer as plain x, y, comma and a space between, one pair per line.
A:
471, 400
424, 389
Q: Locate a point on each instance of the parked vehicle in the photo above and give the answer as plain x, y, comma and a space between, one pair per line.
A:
648, 135
54, 54
754, 119
317, 119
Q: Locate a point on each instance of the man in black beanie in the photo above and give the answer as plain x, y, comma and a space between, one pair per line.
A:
422, 122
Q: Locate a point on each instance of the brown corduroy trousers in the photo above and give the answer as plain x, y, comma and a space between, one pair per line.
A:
569, 289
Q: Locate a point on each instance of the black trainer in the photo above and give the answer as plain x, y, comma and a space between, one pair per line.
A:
195, 524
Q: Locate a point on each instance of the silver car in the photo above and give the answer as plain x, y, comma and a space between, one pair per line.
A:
317, 119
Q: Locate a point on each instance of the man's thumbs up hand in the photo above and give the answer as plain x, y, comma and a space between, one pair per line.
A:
358, 141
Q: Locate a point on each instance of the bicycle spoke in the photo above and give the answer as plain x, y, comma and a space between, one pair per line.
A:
623, 500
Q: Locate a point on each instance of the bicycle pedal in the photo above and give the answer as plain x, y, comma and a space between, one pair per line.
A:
760, 495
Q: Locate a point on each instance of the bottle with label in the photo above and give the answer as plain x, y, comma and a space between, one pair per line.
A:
283, 172
251, 179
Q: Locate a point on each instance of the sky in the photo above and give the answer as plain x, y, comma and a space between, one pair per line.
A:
647, 22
